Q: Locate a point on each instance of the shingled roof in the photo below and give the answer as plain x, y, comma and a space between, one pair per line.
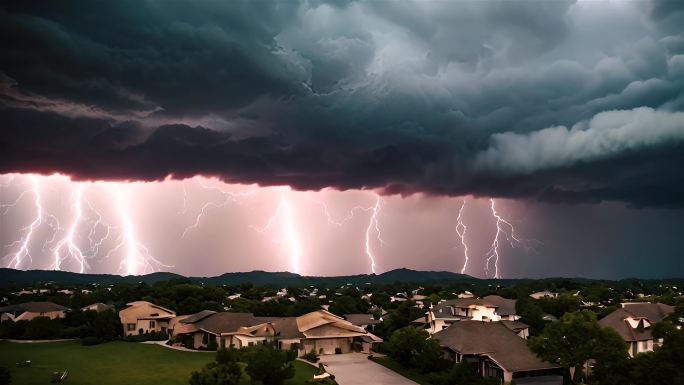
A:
33, 307
361, 319
503, 306
494, 340
653, 312
227, 322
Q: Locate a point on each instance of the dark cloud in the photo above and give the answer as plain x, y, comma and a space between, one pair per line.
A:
557, 100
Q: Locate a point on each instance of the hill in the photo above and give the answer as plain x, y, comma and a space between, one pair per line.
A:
259, 278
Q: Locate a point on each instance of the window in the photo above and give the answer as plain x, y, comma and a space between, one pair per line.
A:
151, 324
130, 327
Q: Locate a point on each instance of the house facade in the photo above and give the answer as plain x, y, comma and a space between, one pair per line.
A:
144, 317
320, 331
492, 308
30, 310
634, 321
496, 351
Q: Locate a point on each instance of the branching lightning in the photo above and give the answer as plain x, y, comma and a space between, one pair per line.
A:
228, 197
290, 239
373, 224
137, 257
24, 252
508, 230
461, 231
68, 243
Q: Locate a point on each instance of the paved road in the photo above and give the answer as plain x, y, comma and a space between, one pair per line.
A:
357, 369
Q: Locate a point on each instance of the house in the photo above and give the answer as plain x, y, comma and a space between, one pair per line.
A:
66, 291
633, 322
98, 307
497, 351
144, 317
320, 331
544, 294
489, 308
363, 320
31, 310
23, 292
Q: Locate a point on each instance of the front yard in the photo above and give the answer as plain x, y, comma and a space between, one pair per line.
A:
113, 363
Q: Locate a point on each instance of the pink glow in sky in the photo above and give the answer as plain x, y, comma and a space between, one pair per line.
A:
202, 226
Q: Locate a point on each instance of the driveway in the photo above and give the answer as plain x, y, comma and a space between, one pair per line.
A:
357, 369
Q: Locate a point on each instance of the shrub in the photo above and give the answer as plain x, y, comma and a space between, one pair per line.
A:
338, 350
269, 365
311, 356
212, 345
5, 377
89, 341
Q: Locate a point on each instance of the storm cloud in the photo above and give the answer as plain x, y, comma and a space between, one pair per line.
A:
560, 101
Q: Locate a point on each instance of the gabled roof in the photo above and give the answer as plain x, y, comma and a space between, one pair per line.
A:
515, 326
192, 318
227, 322
142, 303
33, 307
653, 312
361, 319
494, 340
99, 306
504, 306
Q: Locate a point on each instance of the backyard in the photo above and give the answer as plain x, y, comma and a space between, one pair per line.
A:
115, 363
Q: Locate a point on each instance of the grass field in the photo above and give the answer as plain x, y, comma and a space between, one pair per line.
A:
114, 363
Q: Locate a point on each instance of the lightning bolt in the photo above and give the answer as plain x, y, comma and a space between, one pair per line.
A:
373, 224
228, 197
68, 242
290, 238
461, 231
508, 230
137, 258
18, 258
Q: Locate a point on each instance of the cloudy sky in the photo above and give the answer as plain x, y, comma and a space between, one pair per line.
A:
570, 115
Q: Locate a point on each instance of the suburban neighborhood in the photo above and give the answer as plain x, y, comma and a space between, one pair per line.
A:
427, 333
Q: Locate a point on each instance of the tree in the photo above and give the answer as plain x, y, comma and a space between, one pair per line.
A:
413, 348
269, 365
575, 339
665, 365
225, 370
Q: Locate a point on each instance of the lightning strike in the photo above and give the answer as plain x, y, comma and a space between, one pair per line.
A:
290, 234
373, 224
68, 243
18, 258
137, 258
508, 230
461, 231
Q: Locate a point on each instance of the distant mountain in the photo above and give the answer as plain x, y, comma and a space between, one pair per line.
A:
11, 276
258, 278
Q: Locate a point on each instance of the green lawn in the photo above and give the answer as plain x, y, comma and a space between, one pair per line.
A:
115, 363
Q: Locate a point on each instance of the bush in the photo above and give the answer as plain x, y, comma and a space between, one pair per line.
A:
338, 350
5, 377
311, 356
224, 371
89, 341
269, 365
212, 345
152, 336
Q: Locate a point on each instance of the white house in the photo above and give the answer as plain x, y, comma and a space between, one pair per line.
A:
492, 308
144, 317
633, 322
